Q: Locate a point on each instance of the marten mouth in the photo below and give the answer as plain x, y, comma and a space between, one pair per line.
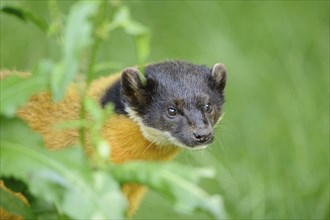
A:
204, 141
193, 144
201, 145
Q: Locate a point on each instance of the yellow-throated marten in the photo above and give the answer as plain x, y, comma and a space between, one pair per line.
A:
177, 107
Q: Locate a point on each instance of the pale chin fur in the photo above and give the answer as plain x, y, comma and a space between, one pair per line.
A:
161, 138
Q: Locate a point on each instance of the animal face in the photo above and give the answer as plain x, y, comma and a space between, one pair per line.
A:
179, 104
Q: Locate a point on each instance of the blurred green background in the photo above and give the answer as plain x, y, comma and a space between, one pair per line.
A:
272, 147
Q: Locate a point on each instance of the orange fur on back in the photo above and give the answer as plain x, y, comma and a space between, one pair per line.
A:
123, 135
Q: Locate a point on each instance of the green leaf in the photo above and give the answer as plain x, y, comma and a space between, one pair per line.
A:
134, 28
98, 117
56, 17
64, 178
26, 15
15, 90
94, 110
14, 205
142, 43
141, 34
103, 149
78, 36
13, 129
175, 182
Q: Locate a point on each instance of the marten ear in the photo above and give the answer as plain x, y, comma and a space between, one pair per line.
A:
132, 88
219, 76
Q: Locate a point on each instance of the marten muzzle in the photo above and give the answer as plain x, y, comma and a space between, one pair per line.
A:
204, 136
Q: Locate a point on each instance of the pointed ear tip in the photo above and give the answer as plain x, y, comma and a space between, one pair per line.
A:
220, 68
219, 65
130, 70
129, 73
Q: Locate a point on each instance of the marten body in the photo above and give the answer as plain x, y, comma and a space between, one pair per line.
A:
177, 107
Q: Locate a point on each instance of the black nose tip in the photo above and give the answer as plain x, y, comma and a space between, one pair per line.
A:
202, 138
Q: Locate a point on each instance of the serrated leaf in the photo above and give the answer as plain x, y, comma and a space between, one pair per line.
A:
12, 204
176, 182
64, 178
78, 36
15, 90
26, 15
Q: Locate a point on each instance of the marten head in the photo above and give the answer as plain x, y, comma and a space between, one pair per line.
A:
178, 104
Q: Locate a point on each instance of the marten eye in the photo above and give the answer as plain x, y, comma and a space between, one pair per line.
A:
172, 111
208, 108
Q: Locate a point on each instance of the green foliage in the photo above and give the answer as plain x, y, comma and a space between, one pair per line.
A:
98, 118
122, 19
14, 205
26, 15
141, 34
175, 182
77, 38
70, 184
65, 184
15, 90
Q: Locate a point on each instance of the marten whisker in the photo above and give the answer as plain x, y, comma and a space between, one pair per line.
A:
219, 142
147, 148
203, 154
185, 154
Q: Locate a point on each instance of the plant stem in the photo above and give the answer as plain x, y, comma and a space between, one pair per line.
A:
90, 69
56, 26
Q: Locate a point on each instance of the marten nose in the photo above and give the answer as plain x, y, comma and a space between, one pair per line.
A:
202, 137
